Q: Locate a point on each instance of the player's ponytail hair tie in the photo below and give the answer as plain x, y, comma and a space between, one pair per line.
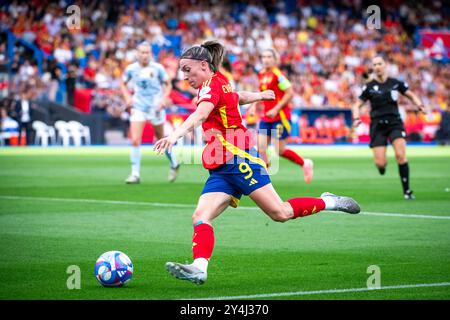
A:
209, 51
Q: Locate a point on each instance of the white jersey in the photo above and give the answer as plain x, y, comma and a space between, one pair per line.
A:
147, 84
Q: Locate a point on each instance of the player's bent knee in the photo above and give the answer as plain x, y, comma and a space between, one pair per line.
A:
197, 216
200, 216
280, 218
279, 215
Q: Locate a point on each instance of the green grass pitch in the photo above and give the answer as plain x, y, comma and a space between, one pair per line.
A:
48, 224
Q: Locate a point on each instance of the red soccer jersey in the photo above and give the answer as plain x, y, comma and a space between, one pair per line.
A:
225, 134
276, 81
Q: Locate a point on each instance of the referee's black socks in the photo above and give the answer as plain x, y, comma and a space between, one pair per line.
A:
403, 170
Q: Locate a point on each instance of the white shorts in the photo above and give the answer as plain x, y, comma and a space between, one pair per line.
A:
155, 117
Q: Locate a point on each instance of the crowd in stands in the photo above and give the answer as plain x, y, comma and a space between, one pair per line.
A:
324, 48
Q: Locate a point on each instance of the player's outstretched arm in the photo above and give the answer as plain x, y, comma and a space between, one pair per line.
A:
194, 120
246, 97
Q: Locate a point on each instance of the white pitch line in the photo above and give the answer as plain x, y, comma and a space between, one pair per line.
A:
304, 293
153, 204
404, 215
180, 205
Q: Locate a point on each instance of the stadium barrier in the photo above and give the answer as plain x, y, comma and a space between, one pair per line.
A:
55, 111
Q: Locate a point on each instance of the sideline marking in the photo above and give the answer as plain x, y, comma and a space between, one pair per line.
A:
303, 293
180, 205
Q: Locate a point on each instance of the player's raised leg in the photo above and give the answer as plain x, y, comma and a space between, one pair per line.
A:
136, 129
210, 205
399, 145
278, 210
379, 156
307, 164
174, 165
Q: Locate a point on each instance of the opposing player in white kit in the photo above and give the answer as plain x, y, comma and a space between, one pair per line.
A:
151, 89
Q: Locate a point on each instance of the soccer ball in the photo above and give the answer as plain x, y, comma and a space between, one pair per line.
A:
113, 269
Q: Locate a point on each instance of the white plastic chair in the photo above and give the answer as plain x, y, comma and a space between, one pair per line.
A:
78, 128
42, 133
63, 133
52, 134
87, 135
50, 130
78, 132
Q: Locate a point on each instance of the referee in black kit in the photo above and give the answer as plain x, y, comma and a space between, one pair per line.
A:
385, 122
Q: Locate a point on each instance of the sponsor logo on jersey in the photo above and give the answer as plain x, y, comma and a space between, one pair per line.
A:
394, 95
204, 94
204, 91
266, 79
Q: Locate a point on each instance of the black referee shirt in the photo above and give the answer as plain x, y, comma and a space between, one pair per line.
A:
383, 97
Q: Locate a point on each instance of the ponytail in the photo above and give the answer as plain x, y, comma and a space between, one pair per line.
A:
217, 51
210, 51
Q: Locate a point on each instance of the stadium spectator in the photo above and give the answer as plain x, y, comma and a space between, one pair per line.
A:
55, 78
89, 73
71, 78
22, 112
63, 53
3, 57
8, 126
26, 72
443, 133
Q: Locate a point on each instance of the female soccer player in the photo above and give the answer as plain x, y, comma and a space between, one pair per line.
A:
151, 88
275, 121
386, 124
231, 159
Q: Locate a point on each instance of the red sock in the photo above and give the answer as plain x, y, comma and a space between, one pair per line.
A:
306, 206
203, 241
291, 155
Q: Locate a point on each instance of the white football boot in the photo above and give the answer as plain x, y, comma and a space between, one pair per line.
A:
186, 272
344, 204
133, 179
173, 173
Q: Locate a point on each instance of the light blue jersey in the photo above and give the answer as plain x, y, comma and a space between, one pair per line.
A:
146, 83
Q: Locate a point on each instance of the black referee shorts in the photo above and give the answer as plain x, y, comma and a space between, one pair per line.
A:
383, 131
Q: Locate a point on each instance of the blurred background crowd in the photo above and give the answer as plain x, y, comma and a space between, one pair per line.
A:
325, 48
